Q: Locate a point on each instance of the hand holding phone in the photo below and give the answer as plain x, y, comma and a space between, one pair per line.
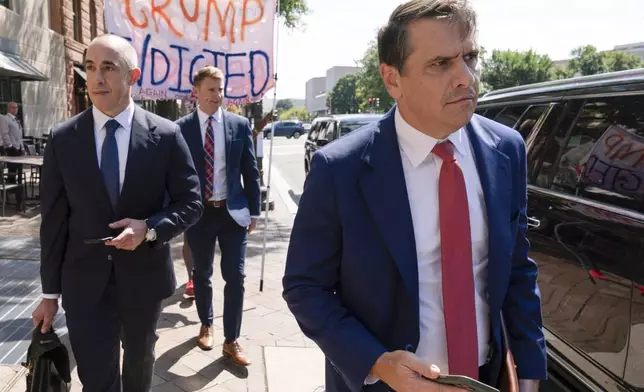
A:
467, 383
93, 241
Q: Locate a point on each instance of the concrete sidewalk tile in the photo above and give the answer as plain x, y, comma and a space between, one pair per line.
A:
294, 369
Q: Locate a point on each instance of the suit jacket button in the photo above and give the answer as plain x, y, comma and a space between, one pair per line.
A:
109, 257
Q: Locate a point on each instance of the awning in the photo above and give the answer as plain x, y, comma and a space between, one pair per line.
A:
80, 72
13, 66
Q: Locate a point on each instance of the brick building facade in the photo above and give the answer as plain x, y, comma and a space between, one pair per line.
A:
78, 21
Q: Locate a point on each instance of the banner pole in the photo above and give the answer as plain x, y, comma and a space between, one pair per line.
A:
270, 153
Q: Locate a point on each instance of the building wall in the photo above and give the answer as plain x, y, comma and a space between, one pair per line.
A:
335, 73
315, 87
25, 30
75, 49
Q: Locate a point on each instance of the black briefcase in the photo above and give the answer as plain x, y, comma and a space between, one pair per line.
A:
48, 367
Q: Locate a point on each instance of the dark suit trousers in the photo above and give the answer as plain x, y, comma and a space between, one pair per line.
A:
216, 224
95, 334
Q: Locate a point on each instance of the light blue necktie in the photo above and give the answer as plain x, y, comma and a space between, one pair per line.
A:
110, 162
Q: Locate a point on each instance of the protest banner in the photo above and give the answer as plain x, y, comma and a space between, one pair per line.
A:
616, 163
174, 38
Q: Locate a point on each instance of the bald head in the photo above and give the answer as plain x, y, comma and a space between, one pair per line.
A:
112, 69
126, 52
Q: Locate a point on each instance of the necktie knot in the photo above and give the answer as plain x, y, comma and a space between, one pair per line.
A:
210, 118
111, 126
445, 151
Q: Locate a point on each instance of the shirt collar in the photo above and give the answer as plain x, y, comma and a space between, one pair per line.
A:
124, 118
203, 117
417, 145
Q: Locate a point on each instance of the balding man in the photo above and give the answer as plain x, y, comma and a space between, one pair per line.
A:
106, 174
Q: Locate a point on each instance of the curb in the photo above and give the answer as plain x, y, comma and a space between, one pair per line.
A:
21, 373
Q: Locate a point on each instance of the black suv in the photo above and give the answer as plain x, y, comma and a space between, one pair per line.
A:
585, 146
327, 129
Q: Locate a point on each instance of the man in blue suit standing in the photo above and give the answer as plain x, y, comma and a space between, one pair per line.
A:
410, 238
222, 149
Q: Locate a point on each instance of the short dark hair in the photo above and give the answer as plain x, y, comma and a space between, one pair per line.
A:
393, 40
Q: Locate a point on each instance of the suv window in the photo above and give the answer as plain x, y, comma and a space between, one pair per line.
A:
329, 131
346, 127
604, 156
315, 130
529, 119
544, 149
510, 115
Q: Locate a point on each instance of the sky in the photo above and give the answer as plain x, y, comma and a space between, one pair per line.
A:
337, 32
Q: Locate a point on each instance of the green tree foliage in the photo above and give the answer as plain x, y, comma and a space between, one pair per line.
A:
295, 113
343, 98
292, 11
588, 61
509, 68
369, 83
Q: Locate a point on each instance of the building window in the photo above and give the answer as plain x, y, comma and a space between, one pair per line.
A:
78, 21
6, 4
92, 19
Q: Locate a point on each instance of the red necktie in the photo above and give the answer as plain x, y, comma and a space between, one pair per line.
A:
209, 148
458, 275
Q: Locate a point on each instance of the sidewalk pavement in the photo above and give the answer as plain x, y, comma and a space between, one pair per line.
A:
283, 359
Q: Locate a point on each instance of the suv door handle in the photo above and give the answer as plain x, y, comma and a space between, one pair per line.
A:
533, 222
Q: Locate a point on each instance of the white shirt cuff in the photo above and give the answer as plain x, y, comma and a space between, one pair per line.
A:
371, 380
255, 216
51, 296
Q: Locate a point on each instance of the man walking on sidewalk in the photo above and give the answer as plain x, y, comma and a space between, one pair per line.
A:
107, 172
222, 148
410, 237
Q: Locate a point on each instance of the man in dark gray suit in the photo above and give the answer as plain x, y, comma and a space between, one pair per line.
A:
106, 173
221, 145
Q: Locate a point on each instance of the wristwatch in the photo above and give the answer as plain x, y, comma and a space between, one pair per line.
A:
151, 234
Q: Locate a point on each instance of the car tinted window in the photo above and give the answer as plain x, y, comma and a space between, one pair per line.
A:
603, 158
315, 130
529, 119
510, 115
491, 113
346, 127
545, 148
329, 131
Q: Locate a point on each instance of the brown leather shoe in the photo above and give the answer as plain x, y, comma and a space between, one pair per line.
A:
205, 340
235, 352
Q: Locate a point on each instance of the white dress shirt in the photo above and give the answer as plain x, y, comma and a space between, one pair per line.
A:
122, 135
422, 171
219, 191
15, 132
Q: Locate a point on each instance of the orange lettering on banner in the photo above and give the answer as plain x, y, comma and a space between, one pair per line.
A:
159, 10
195, 15
128, 12
612, 141
222, 20
246, 22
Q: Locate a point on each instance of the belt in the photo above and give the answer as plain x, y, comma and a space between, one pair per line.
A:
215, 204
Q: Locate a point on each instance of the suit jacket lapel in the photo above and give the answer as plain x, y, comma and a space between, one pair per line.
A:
86, 152
228, 133
142, 133
385, 192
494, 173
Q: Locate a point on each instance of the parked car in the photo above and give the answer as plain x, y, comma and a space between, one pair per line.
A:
324, 130
585, 162
290, 129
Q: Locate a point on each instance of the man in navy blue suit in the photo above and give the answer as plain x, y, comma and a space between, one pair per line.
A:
222, 149
113, 170
410, 237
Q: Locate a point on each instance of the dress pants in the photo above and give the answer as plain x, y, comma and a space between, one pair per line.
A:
95, 335
216, 224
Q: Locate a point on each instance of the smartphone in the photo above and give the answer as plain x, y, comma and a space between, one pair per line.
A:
92, 241
464, 382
